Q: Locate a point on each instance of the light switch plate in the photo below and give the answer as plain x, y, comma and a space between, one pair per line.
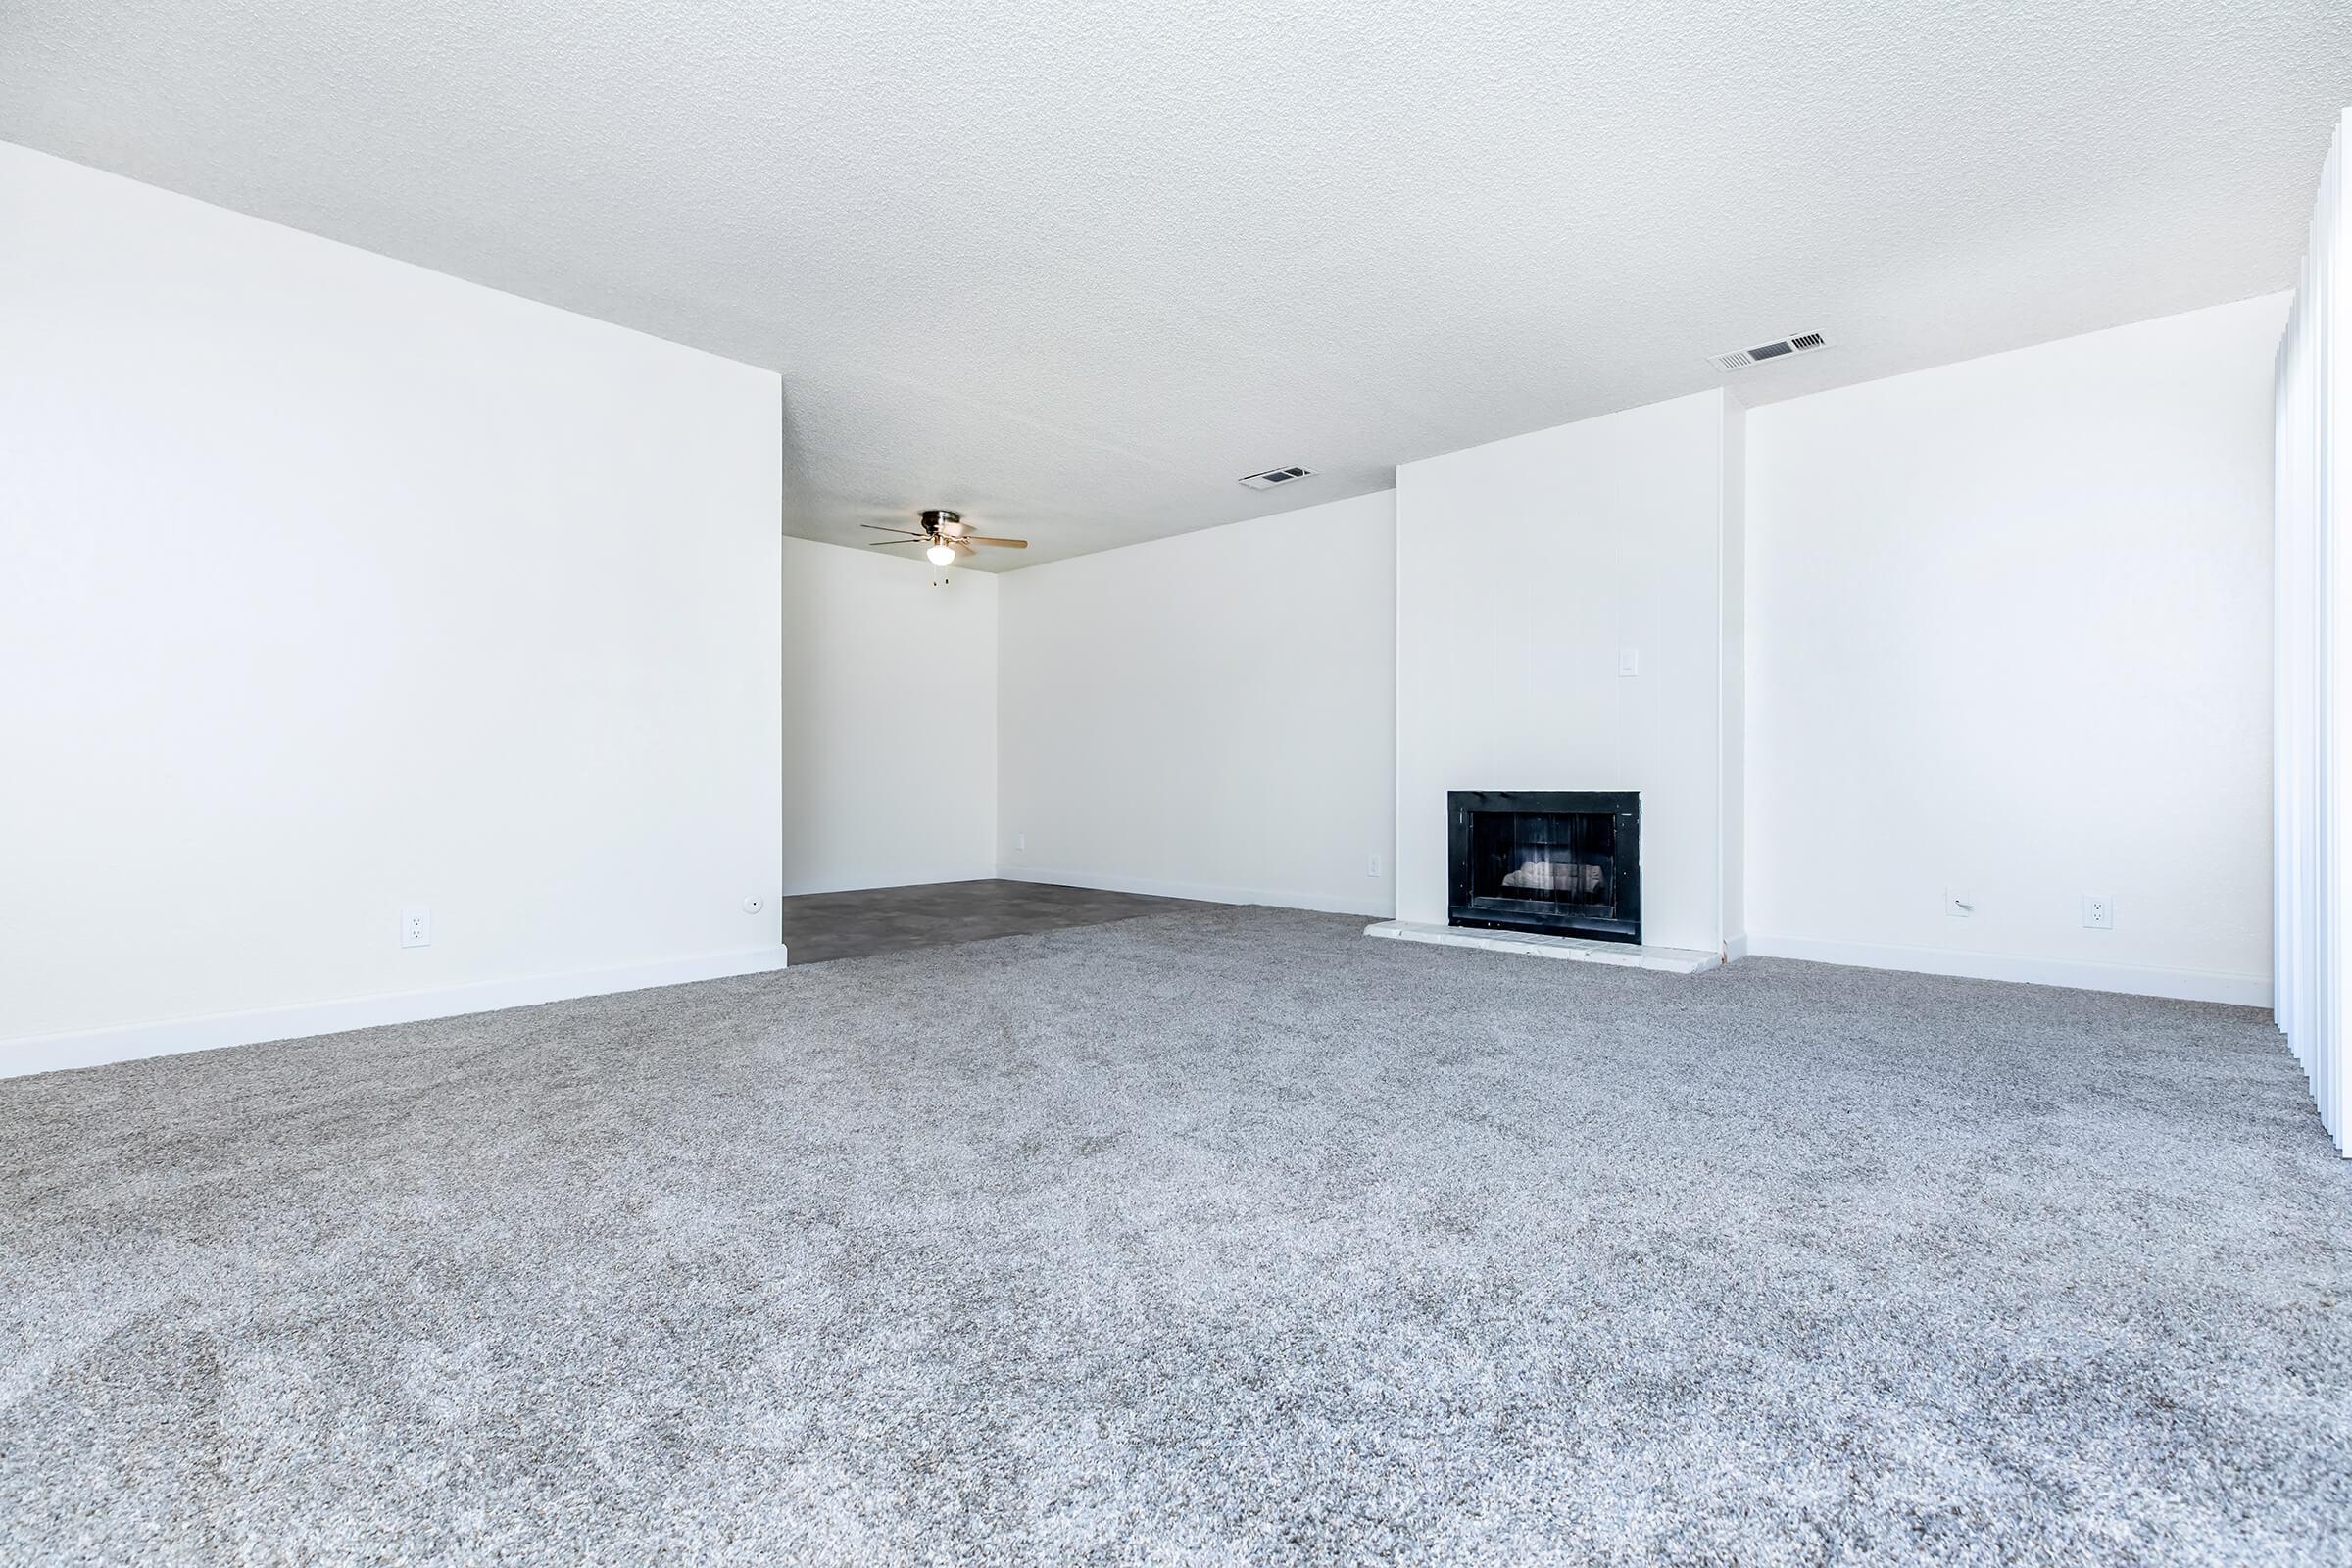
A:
1628, 661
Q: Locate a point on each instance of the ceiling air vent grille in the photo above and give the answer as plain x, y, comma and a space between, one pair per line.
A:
1275, 478
1802, 343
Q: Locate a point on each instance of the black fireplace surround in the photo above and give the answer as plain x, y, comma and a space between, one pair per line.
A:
1563, 862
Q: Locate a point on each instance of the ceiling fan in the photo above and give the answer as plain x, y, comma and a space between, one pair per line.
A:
945, 532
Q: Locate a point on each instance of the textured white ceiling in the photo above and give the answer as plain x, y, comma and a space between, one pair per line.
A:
1074, 270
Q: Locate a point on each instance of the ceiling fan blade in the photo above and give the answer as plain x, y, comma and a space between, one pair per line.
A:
1004, 544
956, 543
884, 528
877, 544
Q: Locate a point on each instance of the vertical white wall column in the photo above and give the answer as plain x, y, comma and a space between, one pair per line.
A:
2313, 699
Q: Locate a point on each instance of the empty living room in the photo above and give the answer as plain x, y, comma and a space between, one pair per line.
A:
1297, 784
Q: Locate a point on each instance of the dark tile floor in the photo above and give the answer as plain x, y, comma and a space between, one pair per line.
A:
850, 925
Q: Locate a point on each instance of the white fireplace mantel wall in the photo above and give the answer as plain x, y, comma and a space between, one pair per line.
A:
2001, 626
1528, 570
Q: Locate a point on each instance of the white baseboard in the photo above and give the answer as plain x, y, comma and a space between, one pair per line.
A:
2188, 985
1734, 948
1378, 902
92, 1048
1541, 944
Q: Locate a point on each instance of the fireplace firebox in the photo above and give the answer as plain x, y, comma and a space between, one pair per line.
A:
1563, 862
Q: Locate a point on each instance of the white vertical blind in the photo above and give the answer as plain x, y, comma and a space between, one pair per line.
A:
2312, 728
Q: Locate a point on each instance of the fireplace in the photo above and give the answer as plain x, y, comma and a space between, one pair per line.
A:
1557, 862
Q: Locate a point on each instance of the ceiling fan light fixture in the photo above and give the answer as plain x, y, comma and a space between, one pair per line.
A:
943, 535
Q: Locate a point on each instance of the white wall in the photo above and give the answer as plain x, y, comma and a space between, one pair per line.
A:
2009, 634
329, 585
1208, 715
1523, 567
890, 720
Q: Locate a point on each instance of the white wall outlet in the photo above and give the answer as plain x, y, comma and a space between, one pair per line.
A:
1020, 841
753, 905
1959, 904
1628, 661
2098, 911
1372, 865
415, 926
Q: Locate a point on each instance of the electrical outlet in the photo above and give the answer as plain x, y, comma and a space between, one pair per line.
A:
415, 926
2098, 911
1372, 866
1959, 904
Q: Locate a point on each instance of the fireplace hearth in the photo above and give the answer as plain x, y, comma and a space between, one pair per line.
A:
1562, 863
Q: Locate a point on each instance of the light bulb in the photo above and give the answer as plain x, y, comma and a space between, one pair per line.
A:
941, 556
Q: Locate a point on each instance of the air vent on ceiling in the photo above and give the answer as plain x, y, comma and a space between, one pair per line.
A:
1802, 343
1273, 479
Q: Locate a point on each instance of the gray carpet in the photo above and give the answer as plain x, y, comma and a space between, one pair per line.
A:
1222, 1236
819, 927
